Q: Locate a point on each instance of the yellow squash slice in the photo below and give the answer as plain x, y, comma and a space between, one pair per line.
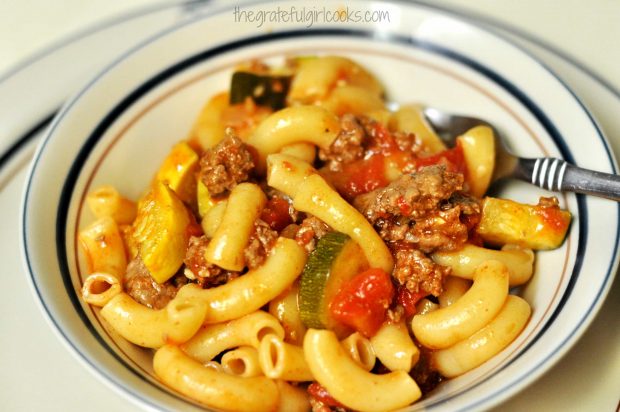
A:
160, 232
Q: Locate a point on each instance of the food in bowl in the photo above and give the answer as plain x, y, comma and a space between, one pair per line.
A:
305, 247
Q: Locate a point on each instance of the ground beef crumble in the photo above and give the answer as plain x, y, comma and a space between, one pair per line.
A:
411, 195
225, 165
425, 209
311, 229
262, 240
417, 272
347, 146
140, 285
361, 137
204, 273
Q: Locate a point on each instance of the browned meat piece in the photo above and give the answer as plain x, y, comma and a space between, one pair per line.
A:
140, 285
311, 229
225, 165
438, 230
411, 195
380, 138
407, 142
206, 274
423, 209
348, 145
262, 240
417, 272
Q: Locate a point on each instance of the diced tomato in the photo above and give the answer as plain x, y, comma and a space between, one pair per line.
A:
553, 218
359, 177
276, 215
362, 302
408, 300
453, 159
318, 392
364, 176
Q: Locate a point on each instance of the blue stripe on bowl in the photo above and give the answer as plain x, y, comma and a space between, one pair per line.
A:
140, 91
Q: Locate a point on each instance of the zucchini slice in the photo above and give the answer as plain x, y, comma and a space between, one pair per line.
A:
336, 259
264, 90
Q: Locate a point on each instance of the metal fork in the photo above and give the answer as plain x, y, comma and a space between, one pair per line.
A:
546, 172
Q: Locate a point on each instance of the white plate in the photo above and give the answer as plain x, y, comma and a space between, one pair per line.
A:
585, 319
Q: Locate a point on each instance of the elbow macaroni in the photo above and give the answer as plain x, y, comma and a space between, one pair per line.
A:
463, 262
100, 288
394, 347
444, 327
176, 323
360, 349
211, 388
103, 246
244, 205
485, 343
242, 361
247, 330
351, 385
281, 360
256, 288
106, 201
310, 124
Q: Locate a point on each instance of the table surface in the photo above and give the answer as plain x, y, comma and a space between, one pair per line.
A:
587, 31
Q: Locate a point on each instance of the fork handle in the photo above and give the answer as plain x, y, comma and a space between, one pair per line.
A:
557, 175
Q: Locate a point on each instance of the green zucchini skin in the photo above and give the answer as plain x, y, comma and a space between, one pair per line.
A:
335, 261
264, 90
315, 275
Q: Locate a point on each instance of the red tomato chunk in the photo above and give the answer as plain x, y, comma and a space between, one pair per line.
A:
276, 215
319, 393
363, 301
408, 300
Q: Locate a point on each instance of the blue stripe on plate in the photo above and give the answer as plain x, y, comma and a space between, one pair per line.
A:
21, 141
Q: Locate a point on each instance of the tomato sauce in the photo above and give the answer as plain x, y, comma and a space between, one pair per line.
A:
362, 302
276, 215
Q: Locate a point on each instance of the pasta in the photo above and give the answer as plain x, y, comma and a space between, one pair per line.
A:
224, 391
394, 347
316, 197
463, 262
106, 201
351, 385
293, 125
281, 360
256, 288
487, 342
477, 307
150, 328
360, 349
100, 288
308, 247
244, 205
242, 361
103, 246
247, 330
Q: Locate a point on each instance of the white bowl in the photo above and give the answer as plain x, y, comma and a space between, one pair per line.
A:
118, 129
